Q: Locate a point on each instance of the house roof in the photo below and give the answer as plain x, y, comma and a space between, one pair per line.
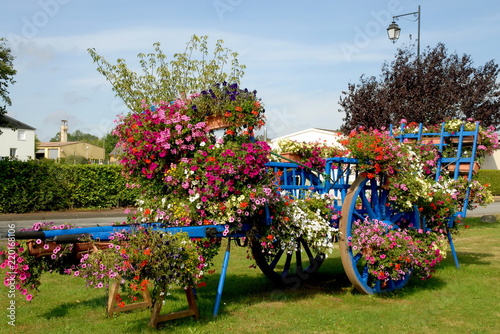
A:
14, 123
116, 151
57, 143
316, 130
61, 144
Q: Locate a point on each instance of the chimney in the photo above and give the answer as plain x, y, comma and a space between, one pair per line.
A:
64, 131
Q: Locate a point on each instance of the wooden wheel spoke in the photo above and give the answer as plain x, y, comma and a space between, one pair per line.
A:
367, 205
276, 259
357, 257
395, 218
359, 216
298, 261
306, 248
286, 268
365, 275
374, 193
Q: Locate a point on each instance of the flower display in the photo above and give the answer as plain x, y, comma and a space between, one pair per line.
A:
143, 258
391, 253
479, 195
191, 176
25, 268
239, 108
311, 217
376, 150
488, 140
156, 139
412, 167
312, 154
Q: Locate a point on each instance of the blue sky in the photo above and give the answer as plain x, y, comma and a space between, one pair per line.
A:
300, 55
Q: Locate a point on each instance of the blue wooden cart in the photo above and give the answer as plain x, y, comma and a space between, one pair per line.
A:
356, 196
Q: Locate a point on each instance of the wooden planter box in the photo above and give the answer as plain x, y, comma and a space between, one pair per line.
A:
465, 139
430, 140
464, 168
38, 250
290, 156
217, 122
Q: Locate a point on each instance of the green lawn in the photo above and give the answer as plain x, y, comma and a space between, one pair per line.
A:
453, 301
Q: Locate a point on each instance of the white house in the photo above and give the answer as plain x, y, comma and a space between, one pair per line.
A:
330, 137
18, 143
492, 161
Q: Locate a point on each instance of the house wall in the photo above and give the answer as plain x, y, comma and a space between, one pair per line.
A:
311, 135
492, 161
82, 149
24, 144
88, 151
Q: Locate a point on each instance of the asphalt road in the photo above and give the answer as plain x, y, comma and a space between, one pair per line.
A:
77, 218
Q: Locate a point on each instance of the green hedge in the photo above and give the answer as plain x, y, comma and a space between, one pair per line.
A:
45, 185
491, 177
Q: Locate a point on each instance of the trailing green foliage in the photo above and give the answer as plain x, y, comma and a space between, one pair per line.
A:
491, 177
45, 185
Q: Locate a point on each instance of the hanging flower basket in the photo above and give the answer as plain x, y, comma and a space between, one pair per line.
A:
217, 122
287, 156
465, 167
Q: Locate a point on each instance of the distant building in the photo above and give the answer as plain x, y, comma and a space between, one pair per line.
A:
18, 143
114, 154
330, 137
67, 149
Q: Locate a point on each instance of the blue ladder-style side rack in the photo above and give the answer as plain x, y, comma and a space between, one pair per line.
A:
455, 140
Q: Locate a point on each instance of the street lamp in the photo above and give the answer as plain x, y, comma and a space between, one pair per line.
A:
393, 31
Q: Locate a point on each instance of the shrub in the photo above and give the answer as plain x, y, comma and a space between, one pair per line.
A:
44, 185
491, 177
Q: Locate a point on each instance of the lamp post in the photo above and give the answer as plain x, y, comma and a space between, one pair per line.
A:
394, 30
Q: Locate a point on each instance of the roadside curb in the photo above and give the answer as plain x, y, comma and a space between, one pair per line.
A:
48, 215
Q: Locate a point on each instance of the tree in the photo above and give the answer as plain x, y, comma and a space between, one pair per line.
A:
162, 80
7, 73
79, 136
109, 142
427, 90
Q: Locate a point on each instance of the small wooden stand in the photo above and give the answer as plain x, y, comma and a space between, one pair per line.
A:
112, 308
157, 318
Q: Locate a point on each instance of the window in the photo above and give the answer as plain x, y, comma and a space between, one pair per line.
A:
21, 134
13, 152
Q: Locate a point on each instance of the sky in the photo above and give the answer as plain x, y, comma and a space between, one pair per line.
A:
299, 55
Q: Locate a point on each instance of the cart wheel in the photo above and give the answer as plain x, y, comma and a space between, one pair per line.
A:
288, 270
367, 199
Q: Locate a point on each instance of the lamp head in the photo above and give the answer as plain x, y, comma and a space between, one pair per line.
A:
393, 32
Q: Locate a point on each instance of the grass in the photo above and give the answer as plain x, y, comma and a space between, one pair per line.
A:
453, 301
